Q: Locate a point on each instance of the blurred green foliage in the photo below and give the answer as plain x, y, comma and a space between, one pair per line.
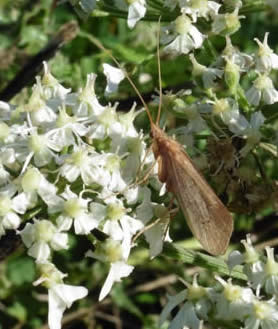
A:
25, 28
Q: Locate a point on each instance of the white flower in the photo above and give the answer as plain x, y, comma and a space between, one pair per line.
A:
51, 86
118, 270
116, 254
158, 233
84, 162
182, 36
253, 266
40, 237
111, 172
262, 91
34, 183
114, 76
6, 111
4, 175
136, 11
60, 295
226, 24
235, 258
126, 121
208, 75
34, 145
67, 129
265, 59
197, 306
75, 209
266, 275
40, 148
120, 226
173, 301
249, 130
9, 219
85, 103
271, 273
264, 315
105, 124
195, 121
252, 131
135, 149
242, 60
199, 8
227, 109
234, 302
38, 110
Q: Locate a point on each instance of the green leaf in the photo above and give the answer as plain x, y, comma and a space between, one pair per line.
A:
18, 311
133, 55
21, 270
146, 298
33, 37
121, 299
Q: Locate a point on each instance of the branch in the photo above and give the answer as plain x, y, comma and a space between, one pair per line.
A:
28, 73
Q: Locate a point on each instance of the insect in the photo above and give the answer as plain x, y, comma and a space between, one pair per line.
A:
207, 217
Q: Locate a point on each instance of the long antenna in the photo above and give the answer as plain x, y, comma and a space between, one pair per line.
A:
159, 75
100, 46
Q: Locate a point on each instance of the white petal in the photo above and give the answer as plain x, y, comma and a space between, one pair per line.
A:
117, 271
98, 210
270, 96
130, 225
235, 258
59, 241
113, 229
182, 44
84, 224
155, 237
11, 221
69, 294
59, 138
274, 61
22, 202
40, 251
186, 317
114, 76
257, 120
197, 36
56, 308
171, 304
28, 235
64, 223
253, 96
70, 172
136, 11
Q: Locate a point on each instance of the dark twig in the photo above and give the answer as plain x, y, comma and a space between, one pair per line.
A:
27, 74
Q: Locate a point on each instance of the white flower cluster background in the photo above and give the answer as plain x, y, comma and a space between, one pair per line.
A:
74, 167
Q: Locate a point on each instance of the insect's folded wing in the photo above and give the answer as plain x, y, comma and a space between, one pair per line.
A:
209, 220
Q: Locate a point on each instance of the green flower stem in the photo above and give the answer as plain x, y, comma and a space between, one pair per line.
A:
253, 6
271, 119
213, 264
151, 17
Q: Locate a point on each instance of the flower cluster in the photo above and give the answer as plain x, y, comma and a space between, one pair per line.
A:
79, 164
77, 161
251, 306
